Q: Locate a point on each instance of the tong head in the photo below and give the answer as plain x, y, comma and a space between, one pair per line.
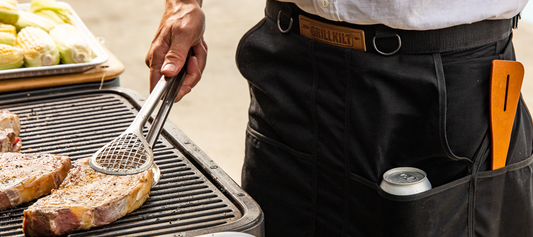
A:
126, 154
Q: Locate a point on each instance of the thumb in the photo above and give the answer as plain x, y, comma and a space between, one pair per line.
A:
174, 60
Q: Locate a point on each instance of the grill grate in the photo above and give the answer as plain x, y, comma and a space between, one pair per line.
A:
77, 126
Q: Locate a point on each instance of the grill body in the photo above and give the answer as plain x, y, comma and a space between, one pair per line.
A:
193, 197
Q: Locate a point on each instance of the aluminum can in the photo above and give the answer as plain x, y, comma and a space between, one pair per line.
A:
403, 181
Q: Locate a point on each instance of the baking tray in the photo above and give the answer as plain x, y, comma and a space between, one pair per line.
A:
61, 68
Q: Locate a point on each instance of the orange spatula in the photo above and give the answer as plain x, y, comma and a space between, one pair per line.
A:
506, 82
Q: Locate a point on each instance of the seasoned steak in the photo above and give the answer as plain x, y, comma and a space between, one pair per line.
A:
87, 198
25, 177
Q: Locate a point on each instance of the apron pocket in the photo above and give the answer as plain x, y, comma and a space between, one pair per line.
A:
441, 211
504, 201
282, 181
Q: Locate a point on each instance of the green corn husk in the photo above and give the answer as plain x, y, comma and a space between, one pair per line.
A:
51, 10
8, 13
31, 19
50, 15
72, 46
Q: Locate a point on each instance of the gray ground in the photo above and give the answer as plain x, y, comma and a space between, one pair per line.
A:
214, 114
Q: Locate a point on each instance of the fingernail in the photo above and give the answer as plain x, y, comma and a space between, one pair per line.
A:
169, 67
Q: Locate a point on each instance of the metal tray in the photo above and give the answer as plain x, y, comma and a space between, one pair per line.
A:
61, 68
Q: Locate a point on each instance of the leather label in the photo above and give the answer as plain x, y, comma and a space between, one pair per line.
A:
331, 34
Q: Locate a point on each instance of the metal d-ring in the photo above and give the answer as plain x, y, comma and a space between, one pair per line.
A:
279, 25
391, 53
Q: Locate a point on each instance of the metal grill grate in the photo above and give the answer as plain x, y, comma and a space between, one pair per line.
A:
77, 126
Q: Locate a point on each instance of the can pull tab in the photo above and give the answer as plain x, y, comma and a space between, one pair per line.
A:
505, 86
408, 178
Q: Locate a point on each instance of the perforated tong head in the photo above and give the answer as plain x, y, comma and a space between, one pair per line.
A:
131, 152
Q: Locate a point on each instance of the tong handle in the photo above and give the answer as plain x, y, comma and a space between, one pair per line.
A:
170, 95
149, 105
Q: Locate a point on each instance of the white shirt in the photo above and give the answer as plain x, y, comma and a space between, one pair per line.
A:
412, 14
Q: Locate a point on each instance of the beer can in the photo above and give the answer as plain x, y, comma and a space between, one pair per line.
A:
403, 181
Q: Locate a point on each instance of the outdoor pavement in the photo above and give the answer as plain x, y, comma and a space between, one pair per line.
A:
214, 114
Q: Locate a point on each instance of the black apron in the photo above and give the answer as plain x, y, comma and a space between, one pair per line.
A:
326, 122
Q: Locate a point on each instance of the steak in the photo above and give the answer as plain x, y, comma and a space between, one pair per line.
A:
86, 199
10, 120
25, 177
9, 132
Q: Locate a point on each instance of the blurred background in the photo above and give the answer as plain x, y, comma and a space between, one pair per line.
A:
214, 114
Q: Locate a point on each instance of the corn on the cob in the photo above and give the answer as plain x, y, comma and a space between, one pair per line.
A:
38, 47
7, 38
8, 29
71, 44
51, 10
8, 34
31, 19
10, 57
8, 13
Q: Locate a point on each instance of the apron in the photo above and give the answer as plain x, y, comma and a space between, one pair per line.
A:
326, 122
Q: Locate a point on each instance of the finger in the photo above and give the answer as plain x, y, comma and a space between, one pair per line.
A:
200, 51
154, 60
191, 79
177, 53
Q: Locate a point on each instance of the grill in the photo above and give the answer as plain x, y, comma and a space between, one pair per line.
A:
193, 197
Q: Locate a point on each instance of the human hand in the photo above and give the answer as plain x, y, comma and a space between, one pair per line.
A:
181, 28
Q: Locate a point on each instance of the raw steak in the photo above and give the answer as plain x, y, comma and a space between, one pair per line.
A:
9, 132
86, 199
25, 177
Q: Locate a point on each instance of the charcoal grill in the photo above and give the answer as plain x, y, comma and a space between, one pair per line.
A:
194, 195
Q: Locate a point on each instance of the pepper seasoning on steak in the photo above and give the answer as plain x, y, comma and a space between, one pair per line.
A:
86, 199
25, 177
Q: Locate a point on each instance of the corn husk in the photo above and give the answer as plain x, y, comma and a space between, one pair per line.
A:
71, 44
8, 13
31, 19
51, 10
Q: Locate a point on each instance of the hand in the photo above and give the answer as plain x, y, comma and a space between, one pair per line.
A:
181, 29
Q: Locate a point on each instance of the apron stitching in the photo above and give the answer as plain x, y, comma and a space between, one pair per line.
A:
480, 156
315, 134
439, 72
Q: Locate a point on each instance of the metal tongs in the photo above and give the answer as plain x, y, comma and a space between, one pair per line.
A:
131, 152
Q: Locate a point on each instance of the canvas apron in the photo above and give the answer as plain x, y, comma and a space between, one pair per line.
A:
326, 122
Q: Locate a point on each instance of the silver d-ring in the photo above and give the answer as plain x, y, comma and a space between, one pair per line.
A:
279, 25
391, 53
